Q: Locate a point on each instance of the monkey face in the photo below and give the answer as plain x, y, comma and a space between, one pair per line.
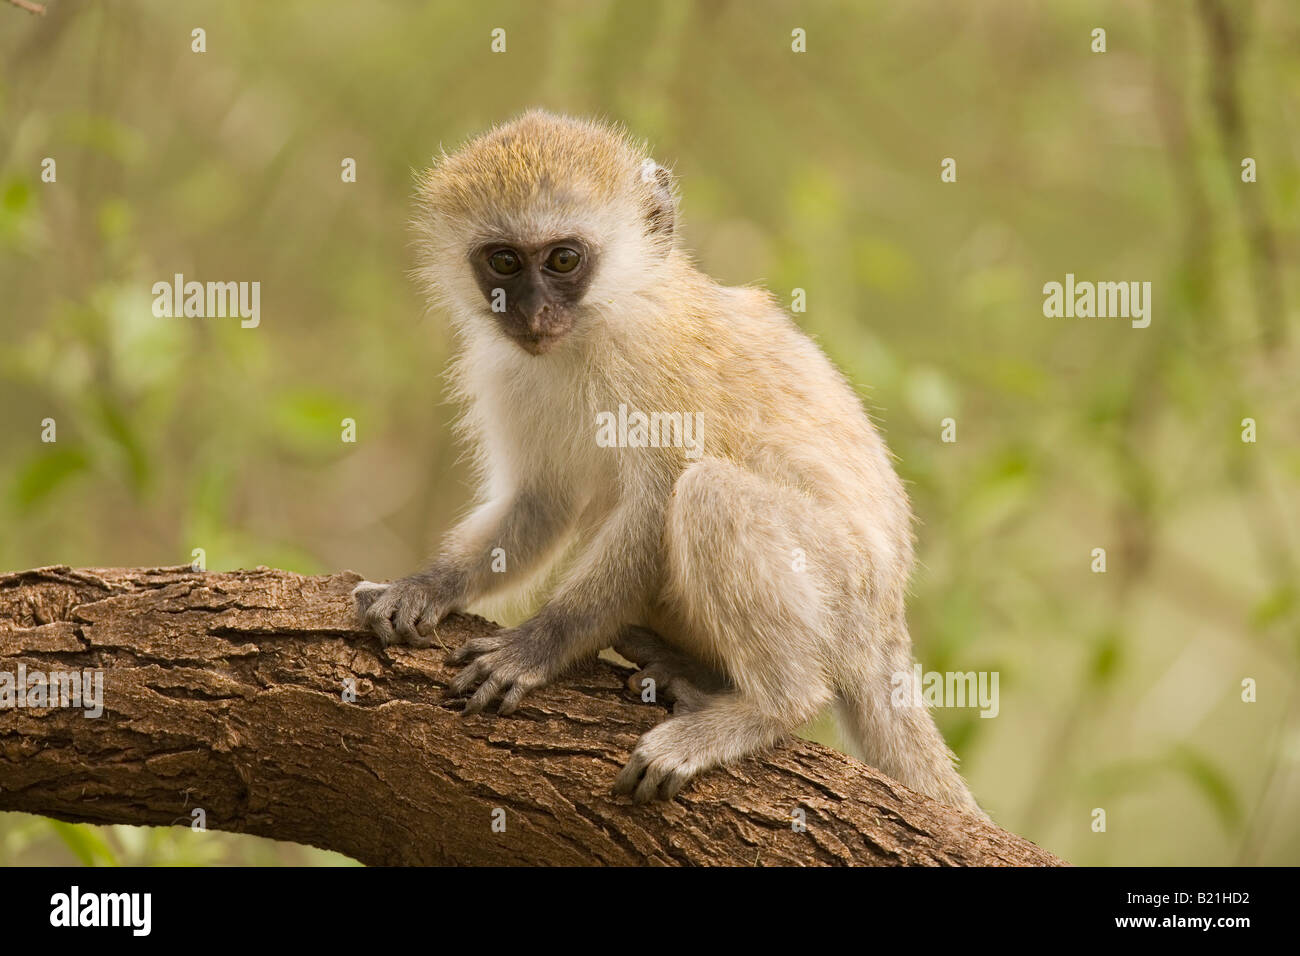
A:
563, 225
534, 290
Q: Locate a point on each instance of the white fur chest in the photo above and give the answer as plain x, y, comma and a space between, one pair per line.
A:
534, 417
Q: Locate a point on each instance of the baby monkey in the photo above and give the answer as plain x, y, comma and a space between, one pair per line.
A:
735, 526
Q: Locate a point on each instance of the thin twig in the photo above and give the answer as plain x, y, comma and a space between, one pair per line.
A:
30, 7
1225, 42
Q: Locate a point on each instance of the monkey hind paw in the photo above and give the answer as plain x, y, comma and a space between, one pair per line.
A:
678, 678
666, 685
365, 594
650, 775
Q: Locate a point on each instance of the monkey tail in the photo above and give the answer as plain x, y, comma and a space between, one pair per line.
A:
896, 733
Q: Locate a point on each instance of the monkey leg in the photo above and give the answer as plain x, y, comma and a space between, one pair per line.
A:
736, 591
678, 678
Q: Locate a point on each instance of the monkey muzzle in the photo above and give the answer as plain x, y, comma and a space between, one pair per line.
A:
538, 328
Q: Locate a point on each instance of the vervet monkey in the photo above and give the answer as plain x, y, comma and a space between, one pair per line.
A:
755, 569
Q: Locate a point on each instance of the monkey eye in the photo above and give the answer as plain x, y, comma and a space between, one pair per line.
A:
563, 259
504, 262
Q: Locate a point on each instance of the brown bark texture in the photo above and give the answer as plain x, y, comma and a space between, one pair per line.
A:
226, 692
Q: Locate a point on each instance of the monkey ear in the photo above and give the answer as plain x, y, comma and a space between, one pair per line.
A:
661, 220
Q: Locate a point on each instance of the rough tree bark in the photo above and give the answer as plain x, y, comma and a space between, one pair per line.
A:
224, 692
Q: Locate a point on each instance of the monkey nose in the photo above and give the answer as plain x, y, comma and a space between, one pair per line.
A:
539, 319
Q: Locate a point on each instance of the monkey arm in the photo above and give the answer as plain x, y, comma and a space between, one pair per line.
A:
497, 541
604, 590
609, 584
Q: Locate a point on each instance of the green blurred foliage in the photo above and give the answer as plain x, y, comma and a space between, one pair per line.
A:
817, 171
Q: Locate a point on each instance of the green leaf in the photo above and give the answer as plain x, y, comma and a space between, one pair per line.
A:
120, 428
15, 203
1277, 606
1212, 783
91, 848
311, 420
17, 196
1106, 659
43, 474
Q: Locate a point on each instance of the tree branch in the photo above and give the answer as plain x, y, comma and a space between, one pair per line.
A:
224, 692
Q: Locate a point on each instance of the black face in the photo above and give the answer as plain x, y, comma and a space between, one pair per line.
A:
539, 288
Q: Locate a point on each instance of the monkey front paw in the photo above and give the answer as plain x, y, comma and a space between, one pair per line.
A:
400, 612
657, 769
505, 665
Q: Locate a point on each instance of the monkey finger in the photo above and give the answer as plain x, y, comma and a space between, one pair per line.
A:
378, 621
636, 681
404, 624
469, 677
628, 777
416, 639
427, 625
474, 647
510, 702
486, 693
672, 783
648, 788
365, 595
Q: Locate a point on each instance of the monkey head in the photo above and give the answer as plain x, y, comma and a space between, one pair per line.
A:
534, 228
